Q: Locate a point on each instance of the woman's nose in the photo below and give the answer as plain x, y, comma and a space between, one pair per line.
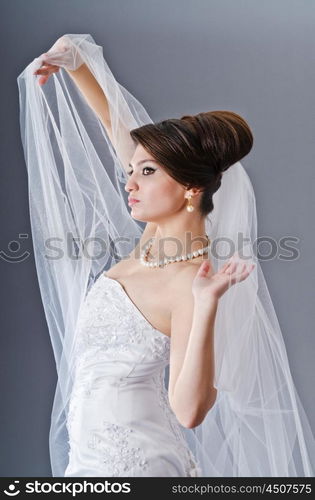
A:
130, 184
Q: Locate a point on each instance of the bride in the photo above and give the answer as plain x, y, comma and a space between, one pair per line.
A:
231, 408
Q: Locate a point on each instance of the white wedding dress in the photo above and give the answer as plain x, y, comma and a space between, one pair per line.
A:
120, 422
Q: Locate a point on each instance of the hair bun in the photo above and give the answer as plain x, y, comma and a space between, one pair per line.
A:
225, 137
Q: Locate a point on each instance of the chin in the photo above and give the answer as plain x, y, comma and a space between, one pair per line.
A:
141, 219
137, 217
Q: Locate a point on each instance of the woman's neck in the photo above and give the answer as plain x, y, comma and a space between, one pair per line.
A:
174, 243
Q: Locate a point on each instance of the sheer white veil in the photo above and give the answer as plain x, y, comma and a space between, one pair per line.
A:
81, 226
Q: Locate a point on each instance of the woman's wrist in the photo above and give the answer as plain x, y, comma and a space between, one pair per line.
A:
206, 306
64, 54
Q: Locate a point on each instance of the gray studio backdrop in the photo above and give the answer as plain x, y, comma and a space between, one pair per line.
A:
177, 57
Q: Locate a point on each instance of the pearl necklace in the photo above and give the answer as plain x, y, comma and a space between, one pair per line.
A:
169, 260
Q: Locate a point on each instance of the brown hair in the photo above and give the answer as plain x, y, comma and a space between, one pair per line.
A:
196, 150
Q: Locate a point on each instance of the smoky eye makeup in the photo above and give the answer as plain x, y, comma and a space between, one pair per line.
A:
142, 169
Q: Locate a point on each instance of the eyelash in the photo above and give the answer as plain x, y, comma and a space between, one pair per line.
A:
150, 168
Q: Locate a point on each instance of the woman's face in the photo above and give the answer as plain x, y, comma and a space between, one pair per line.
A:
159, 194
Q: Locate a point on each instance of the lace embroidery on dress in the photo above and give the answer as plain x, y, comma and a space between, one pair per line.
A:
120, 457
160, 343
103, 317
193, 468
82, 389
160, 348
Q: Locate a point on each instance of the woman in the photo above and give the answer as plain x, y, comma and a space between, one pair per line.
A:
235, 386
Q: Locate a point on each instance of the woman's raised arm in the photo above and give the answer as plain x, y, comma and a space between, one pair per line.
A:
93, 94
61, 55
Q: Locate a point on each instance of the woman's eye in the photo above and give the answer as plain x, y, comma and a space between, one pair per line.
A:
148, 168
145, 168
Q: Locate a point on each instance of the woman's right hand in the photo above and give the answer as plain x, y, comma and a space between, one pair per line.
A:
63, 54
46, 70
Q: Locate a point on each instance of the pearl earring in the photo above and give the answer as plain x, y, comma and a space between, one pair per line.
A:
189, 206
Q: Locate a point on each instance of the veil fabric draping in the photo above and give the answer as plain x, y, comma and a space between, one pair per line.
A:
81, 226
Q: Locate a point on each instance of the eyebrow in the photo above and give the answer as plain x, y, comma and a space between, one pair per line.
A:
142, 161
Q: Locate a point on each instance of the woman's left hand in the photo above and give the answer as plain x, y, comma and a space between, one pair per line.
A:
210, 285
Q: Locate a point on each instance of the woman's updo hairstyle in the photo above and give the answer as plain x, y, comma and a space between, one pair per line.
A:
196, 150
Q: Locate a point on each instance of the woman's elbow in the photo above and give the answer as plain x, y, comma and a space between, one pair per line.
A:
199, 415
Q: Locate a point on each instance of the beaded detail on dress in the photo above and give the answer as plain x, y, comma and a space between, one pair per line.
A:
192, 468
120, 457
114, 327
